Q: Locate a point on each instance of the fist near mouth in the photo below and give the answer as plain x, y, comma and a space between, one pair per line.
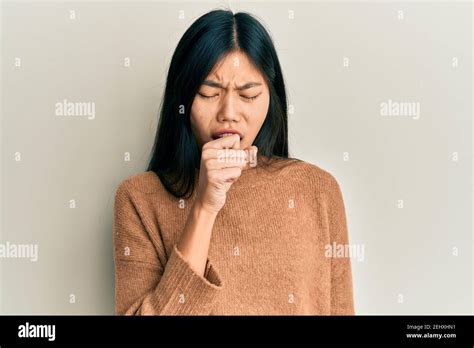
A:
222, 162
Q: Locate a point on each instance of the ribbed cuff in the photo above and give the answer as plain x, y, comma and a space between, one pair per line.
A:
183, 291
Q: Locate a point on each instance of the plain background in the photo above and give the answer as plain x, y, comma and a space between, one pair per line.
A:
409, 265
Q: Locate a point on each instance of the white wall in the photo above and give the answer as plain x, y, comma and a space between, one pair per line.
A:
408, 251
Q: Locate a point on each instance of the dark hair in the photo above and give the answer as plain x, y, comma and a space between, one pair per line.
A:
176, 154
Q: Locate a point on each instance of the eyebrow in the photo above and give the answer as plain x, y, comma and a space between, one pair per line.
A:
239, 88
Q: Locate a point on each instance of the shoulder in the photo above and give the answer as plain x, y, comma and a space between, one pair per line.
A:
312, 174
141, 193
144, 182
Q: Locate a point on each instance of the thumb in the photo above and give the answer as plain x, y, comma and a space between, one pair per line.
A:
252, 155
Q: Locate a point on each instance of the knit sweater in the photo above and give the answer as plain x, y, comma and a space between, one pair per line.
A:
267, 254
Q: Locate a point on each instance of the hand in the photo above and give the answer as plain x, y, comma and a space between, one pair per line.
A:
222, 162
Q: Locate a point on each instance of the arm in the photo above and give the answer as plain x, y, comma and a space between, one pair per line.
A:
196, 237
342, 302
144, 285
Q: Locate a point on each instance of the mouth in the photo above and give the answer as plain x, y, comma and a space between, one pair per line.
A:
225, 133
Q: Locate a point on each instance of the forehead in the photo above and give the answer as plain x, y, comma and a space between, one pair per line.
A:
235, 66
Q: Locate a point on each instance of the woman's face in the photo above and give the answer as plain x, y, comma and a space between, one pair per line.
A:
234, 96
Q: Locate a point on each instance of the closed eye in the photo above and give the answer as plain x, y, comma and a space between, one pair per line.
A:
250, 98
216, 95
208, 96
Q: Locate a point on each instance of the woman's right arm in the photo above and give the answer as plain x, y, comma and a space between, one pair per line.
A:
216, 176
143, 284
187, 283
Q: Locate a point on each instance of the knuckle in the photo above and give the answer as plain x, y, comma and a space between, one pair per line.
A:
212, 176
205, 155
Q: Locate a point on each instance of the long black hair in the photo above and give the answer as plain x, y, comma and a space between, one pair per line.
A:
176, 154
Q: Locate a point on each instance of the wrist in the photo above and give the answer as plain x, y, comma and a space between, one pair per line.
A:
200, 210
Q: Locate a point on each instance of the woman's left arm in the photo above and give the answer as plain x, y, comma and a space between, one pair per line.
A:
342, 301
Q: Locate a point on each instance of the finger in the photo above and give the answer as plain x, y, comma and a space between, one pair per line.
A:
238, 159
227, 175
212, 153
231, 156
227, 142
251, 157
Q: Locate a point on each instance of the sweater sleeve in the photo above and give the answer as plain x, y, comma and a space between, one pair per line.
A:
143, 284
342, 302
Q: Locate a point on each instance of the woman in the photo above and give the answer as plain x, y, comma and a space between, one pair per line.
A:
223, 222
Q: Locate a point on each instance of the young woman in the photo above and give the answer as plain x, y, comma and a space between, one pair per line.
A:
223, 221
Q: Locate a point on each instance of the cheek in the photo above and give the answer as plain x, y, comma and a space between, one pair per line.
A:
199, 116
257, 112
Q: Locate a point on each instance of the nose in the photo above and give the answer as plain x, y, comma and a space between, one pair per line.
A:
229, 109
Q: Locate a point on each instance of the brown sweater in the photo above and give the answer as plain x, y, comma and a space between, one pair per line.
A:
266, 255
